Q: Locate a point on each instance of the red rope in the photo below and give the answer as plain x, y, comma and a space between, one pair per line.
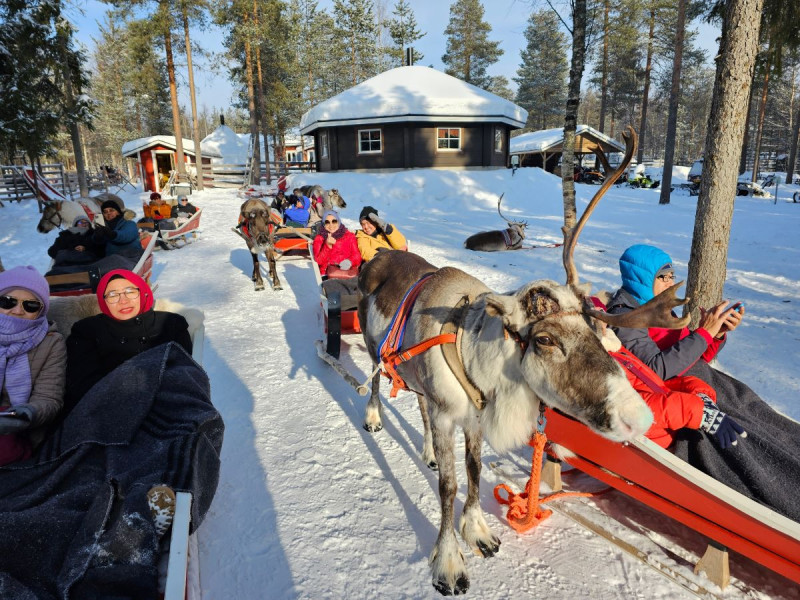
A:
524, 511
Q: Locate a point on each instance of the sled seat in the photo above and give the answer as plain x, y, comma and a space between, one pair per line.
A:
293, 241
185, 231
671, 486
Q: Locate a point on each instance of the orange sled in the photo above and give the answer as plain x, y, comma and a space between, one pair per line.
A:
667, 484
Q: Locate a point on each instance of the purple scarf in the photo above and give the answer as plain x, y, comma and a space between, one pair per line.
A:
337, 235
17, 337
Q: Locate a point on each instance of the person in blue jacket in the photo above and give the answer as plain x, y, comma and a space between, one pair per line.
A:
298, 212
119, 235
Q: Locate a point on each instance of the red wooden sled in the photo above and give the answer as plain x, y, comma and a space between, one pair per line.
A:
664, 482
187, 230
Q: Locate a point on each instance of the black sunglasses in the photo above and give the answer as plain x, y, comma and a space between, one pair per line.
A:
29, 306
334, 222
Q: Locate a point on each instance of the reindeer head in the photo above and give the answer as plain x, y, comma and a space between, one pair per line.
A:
517, 227
256, 213
51, 217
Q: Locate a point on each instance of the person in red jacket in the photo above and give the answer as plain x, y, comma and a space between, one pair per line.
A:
335, 245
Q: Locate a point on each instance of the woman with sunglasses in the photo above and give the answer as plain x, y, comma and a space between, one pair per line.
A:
74, 245
127, 326
335, 245
33, 360
646, 272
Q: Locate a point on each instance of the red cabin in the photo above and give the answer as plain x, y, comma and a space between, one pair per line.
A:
156, 156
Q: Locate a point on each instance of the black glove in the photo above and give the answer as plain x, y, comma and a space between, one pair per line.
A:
103, 233
377, 220
22, 419
720, 425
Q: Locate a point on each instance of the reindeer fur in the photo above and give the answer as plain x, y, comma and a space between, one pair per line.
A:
65, 212
256, 214
564, 365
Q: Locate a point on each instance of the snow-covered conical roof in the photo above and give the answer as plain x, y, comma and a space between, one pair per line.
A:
227, 143
412, 94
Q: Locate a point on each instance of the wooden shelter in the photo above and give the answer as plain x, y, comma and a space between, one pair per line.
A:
543, 148
155, 156
412, 117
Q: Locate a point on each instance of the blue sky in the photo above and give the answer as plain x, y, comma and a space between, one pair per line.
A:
508, 19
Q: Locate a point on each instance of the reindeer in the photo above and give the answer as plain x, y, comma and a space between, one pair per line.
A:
512, 353
257, 230
330, 198
500, 239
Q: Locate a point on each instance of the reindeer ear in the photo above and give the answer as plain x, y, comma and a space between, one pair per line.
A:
507, 308
583, 289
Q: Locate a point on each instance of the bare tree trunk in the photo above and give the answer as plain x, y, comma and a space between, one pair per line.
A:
255, 175
735, 64
674, 98
173, 92
75, 136
646, 94
262, 102
762, 111
790, 164
571, 116
746, 135
198, 153
604, 79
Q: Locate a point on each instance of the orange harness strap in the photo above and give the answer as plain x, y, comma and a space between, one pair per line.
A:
390, 354
524, 512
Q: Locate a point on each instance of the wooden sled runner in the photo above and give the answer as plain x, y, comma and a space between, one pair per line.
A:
85, 282
667, 484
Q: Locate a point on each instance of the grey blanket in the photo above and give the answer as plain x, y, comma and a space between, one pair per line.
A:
765, 466
74, 520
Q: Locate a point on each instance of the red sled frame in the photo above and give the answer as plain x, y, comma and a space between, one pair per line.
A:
664, 482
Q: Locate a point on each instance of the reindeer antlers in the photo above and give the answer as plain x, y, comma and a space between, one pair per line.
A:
656, 313
571, 235
499, 200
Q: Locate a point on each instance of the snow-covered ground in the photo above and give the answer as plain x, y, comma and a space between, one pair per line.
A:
309, 504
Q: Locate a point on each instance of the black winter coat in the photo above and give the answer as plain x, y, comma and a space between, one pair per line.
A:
99, 344
68, 240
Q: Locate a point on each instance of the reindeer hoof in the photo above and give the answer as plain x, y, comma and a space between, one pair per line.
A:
259, 287
489, 550
373, 428
433, 465
277, 288
461, 587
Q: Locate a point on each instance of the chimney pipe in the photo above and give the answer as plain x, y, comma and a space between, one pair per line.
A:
222, 120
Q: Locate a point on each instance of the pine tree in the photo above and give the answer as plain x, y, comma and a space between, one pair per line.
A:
542, 74
404, 31
469, 51
355, 23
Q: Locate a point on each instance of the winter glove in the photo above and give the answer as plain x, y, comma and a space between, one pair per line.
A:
721, 426
22, 419
377, 220
345, 264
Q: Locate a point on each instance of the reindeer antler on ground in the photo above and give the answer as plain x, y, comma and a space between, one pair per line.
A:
658, 311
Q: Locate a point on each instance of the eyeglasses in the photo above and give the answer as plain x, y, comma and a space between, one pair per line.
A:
183, 200
130, 292
82, 222
29, 306
333, 222
667, 277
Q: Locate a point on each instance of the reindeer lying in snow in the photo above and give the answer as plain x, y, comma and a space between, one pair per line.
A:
511, 353
501, 239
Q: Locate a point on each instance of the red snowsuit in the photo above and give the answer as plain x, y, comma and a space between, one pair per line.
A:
345, 247
675, 403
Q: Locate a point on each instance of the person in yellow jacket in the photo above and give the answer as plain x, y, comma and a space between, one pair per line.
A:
376, 235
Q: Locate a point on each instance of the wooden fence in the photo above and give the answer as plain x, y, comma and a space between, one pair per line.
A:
14, 188
234, 175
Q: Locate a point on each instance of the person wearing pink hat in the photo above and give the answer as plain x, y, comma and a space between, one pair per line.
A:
33, 362
127, 326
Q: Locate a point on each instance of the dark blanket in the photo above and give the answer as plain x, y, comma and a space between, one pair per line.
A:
103, 265
765, 466
74, 520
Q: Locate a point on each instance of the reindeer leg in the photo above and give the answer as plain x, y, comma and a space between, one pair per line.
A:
448, 567
273, 269
427, 455
373, 414
474, 528
257, 274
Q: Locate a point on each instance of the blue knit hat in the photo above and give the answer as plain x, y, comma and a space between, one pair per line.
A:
331, 213
26, 278
639, 266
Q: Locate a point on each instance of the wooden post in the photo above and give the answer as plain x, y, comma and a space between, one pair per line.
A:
715, 564
551, 473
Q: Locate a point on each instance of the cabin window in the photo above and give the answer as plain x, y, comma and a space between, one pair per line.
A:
498, 140
448, 139
323, 142
369, 141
